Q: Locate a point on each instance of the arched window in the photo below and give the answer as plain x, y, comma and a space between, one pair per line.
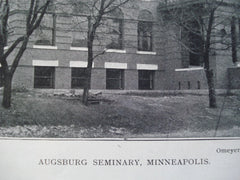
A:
115, 27
145, 25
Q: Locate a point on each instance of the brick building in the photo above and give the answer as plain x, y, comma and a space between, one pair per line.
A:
139, 53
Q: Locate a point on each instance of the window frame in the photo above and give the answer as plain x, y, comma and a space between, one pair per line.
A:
151, 78
51, 77
52, 40
120, 79
196, 44
145, 35
73, 77
119, 43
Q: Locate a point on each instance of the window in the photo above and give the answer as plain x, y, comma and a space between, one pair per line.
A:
46, 31
145, 36
145, 79
79, 27
114, 79
189, 84
179, 85
115, 27
44, 77
78, 77
145, 26
195, 44
198, 85
78, 41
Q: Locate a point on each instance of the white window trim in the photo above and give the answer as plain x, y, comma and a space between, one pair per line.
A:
44, 47
78, 48
6, 47
52, 63
81, 64
190, 69
114, 65
147, 67
116, 51
146, 52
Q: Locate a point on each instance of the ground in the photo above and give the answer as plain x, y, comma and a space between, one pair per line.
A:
44, 114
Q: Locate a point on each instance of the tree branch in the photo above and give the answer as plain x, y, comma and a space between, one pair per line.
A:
30, 12
13, 46
19, 55
99, 54
38, 21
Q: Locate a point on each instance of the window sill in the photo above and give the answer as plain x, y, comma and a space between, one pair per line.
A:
190, 69
78, 48
44, 47
116, 51
146, 52
6, 47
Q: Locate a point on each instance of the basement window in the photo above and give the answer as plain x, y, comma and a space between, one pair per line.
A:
44, 77
145, 79
114, 79
198, 85
78, 78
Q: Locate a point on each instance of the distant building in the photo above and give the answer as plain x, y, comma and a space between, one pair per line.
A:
140, 54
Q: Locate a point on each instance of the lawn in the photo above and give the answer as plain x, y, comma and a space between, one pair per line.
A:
41, 114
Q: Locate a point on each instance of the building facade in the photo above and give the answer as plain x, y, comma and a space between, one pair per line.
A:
138, 53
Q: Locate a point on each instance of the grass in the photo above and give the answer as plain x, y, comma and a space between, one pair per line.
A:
38, 114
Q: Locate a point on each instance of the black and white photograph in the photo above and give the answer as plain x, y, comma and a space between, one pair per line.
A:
120, 68
109, 76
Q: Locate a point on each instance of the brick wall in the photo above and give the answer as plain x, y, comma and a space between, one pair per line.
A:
168, 57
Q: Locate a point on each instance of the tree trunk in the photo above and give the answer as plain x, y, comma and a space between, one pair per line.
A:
7, 88
234, 40
87, 86
211, 89
91, 35
208, 70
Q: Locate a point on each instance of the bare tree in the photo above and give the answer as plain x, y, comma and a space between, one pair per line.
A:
197, 22
97, 12
34, 14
